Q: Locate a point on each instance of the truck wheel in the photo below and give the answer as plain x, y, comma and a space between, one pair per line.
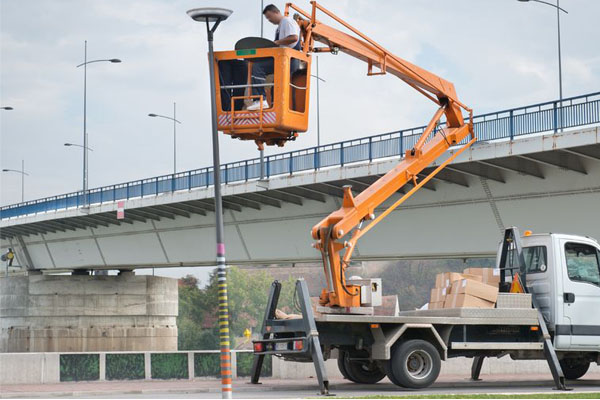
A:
341, 362
359, 371
415, 364
574, 369
390, 373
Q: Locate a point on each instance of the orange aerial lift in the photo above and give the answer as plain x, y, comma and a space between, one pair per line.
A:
337, 234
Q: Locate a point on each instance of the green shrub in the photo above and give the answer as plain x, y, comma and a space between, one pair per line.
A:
244, 365
79, 367
124, 366
169, 365
207, 364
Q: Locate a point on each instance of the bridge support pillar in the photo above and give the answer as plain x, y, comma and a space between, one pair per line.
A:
86, 313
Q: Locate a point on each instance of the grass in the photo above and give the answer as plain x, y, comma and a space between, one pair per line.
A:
578, 395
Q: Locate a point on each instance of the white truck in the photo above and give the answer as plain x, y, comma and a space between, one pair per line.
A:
561, 325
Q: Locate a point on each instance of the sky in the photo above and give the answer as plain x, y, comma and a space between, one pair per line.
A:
498, 53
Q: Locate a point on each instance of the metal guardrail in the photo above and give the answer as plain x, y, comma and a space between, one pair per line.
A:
507, 124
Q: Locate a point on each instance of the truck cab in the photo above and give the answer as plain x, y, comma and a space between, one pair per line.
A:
563, 274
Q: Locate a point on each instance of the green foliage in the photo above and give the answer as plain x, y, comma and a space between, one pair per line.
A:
244, 365
207, 364
79, 367
124, 366
247, 299
169, 365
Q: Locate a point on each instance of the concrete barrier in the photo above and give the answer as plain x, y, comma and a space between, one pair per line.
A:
39, 368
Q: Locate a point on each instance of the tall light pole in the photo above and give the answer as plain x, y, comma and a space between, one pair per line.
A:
85, 136
558, 10
215, 15
262, 151
23, 173
175, 122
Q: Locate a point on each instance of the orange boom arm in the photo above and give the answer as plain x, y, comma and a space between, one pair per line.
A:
433, 143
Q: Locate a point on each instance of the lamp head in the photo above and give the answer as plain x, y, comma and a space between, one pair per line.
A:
5, 170
68, 144
7, 108
210, 14
114, 60
152, 115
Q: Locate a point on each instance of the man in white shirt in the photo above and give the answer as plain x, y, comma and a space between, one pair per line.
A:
286, 35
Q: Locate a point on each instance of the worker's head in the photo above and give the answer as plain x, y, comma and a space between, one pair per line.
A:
272, 14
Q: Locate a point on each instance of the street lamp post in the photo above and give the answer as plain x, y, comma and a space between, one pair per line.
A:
262, 151
23, 173
215, 15
558, 10
175, 122
85, 136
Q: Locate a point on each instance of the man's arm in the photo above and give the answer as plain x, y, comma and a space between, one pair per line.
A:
287, 40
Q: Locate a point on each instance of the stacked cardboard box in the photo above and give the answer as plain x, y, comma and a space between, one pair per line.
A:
491, 276
475, 288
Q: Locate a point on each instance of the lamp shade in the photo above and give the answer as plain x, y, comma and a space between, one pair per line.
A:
210, 14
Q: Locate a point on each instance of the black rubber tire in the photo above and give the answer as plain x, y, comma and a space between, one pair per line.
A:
341, 362
359, 371
415, 364
574, 369
389, 373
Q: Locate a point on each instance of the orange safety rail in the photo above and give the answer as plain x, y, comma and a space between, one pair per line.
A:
247, 115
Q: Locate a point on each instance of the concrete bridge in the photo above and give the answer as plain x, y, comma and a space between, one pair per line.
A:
537, 167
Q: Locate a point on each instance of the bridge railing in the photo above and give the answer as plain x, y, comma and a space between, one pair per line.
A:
507, 124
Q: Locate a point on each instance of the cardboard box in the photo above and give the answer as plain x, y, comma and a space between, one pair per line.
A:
491, 276
436, 306
440, 282
451, 277
438, 295
466, 301
476, 289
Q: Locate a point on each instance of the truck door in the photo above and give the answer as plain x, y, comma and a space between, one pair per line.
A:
581, 294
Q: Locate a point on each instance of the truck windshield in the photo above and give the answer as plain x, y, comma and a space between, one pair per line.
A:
583, 263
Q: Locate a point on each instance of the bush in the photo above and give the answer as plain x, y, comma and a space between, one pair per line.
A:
244, 365
169, 366
207, 364
124, 366
79, 367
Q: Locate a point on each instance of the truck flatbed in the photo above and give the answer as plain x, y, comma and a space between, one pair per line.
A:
449, 316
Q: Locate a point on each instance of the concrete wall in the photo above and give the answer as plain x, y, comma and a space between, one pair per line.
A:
64, 313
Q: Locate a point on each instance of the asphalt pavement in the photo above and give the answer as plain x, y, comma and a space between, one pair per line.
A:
275, 388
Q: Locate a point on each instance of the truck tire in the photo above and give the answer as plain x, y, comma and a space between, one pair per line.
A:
415, 364
390, 373
574, 369
359, 371
341, 362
